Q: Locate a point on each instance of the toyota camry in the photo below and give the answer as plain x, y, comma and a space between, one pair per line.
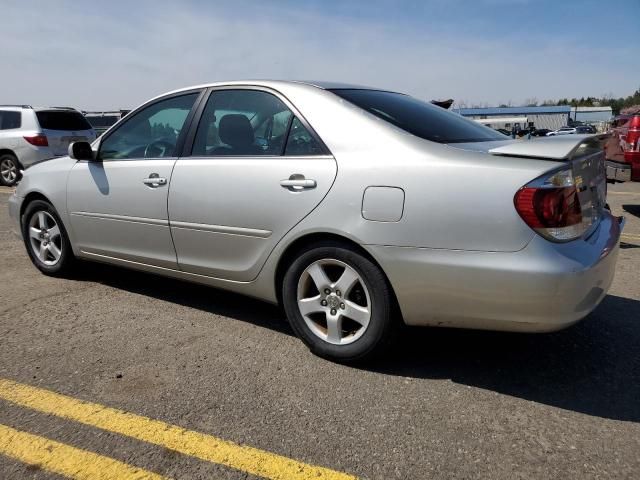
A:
354, 208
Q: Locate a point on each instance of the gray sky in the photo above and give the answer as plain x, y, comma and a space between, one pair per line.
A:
103, 55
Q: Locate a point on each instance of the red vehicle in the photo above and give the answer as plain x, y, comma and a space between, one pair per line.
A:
622, 148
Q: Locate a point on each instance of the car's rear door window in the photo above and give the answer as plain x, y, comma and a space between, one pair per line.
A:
242, 123
62, 120
10, 119
419, 118
300, 141
246, 122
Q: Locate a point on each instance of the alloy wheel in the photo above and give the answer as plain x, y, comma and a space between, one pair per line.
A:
45, 238
8, 171
334, 301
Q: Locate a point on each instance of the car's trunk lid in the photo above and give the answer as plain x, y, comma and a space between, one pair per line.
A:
549, 148
585, 154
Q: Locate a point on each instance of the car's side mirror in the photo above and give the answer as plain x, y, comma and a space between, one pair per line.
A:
81, 151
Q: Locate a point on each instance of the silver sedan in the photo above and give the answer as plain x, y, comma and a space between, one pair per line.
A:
356, 209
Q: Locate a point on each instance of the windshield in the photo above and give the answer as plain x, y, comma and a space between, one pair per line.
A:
419, 118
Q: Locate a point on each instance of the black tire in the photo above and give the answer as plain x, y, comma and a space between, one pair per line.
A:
66, 261
9, 170
381, 327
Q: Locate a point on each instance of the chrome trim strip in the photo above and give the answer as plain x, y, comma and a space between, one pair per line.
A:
123, 218
203, 227
258, 157
618, 171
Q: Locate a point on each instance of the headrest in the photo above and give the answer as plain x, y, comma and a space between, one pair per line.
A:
235, 130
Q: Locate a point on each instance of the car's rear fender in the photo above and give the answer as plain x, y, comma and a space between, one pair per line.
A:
447, 198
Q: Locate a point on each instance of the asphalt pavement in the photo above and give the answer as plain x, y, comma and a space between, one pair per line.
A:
126, 372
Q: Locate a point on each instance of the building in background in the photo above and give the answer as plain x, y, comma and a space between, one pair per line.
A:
505, 123
591, 114
599, 117
551, 117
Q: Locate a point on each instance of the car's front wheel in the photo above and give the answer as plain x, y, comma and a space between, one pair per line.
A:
46, 239
338, 302
9, 170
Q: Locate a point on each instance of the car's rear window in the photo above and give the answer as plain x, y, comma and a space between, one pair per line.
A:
419, 118
61, 120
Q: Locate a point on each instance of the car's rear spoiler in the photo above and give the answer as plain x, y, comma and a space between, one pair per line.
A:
560, 147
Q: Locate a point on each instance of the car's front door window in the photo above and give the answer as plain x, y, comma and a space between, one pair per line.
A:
151, 133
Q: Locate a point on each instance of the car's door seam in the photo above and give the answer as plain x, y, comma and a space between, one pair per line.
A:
275, 246
173, 242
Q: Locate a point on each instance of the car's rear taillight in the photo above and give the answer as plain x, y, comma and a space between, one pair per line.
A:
551, 206
632, 140
631, 147
38, 140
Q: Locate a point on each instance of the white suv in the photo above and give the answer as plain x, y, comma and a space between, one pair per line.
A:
29, 135
563, 131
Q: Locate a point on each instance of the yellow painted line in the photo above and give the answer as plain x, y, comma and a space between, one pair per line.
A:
626, 236
65, 460
205, 447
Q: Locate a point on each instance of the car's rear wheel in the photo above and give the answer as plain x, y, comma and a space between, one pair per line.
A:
9, 170
46, 239
338, 302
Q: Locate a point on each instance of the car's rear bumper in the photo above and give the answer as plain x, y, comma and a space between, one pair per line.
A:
619, 172
544, 287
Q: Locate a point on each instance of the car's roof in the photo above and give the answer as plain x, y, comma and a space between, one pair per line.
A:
15, 107
56, 109
328, 85
38, 109
321, 84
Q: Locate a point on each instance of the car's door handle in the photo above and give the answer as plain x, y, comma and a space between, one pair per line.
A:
298, 182
154, 180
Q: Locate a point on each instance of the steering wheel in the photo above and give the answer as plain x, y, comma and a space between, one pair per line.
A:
158, 148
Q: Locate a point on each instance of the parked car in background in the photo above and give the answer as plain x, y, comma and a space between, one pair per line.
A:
313, 195
102, 121
540, 132
28, 135
622, 149
578, 129
586, 129
562, 131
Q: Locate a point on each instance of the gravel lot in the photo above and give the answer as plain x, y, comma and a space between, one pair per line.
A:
446, 404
